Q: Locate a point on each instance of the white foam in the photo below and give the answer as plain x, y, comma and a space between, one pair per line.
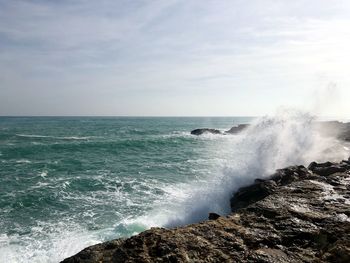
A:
23, 161
48, 243
32, 136
74, 138
234, 161
343, 218
268, 144
43, 174
329, 193
54, 137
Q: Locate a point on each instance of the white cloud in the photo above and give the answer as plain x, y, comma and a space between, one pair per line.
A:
212, 57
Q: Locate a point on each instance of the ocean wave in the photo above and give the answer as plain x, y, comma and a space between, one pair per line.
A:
131, 203
23, 161
270, 143
55, 137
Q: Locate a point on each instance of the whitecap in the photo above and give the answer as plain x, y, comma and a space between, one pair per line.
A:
269, 143
47, 242
55, 137
43, 174
23, 161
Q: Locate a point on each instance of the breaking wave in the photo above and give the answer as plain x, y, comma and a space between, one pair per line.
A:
166, 179
288, 138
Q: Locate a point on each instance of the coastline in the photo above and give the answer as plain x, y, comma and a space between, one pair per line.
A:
298, 215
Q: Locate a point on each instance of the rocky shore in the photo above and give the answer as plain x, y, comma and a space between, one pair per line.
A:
335, 129
298, 215
233, 130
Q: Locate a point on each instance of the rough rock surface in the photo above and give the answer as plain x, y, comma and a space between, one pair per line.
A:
298, 215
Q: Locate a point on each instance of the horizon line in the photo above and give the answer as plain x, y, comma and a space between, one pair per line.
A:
339, 118
135, 116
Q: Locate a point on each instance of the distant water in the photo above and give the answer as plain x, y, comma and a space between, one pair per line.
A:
66, 183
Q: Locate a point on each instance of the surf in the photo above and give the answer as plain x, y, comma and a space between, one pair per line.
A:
271, 142
120, 184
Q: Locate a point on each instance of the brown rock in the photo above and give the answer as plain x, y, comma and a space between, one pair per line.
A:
295, 216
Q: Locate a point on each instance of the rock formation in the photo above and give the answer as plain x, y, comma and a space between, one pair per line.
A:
335, 129
205, 130
298, 215
233, 130
237, 129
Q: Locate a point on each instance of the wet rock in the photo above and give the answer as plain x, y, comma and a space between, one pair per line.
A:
328, 168
205, 130
297, 215
233, 130
237, 129
213, 216
290, 174
251, 194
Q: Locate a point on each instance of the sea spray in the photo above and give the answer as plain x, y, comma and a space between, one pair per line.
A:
125, 175
73, 182
270, 143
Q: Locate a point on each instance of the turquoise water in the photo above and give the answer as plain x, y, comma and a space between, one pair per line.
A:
66, 183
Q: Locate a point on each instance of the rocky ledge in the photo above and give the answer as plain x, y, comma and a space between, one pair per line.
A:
298, 215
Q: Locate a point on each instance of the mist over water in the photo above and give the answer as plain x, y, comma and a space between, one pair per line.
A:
288, 138
69, 183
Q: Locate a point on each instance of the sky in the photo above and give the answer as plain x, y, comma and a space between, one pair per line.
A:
174, 57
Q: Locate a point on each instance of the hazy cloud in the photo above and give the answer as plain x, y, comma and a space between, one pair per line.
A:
171, 57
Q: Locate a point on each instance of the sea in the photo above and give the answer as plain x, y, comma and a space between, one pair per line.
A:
70, 182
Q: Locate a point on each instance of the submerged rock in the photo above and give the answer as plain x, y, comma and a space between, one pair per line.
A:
205, 130
234, 130
297, 215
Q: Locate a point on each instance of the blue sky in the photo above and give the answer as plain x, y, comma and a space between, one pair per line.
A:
174, 57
